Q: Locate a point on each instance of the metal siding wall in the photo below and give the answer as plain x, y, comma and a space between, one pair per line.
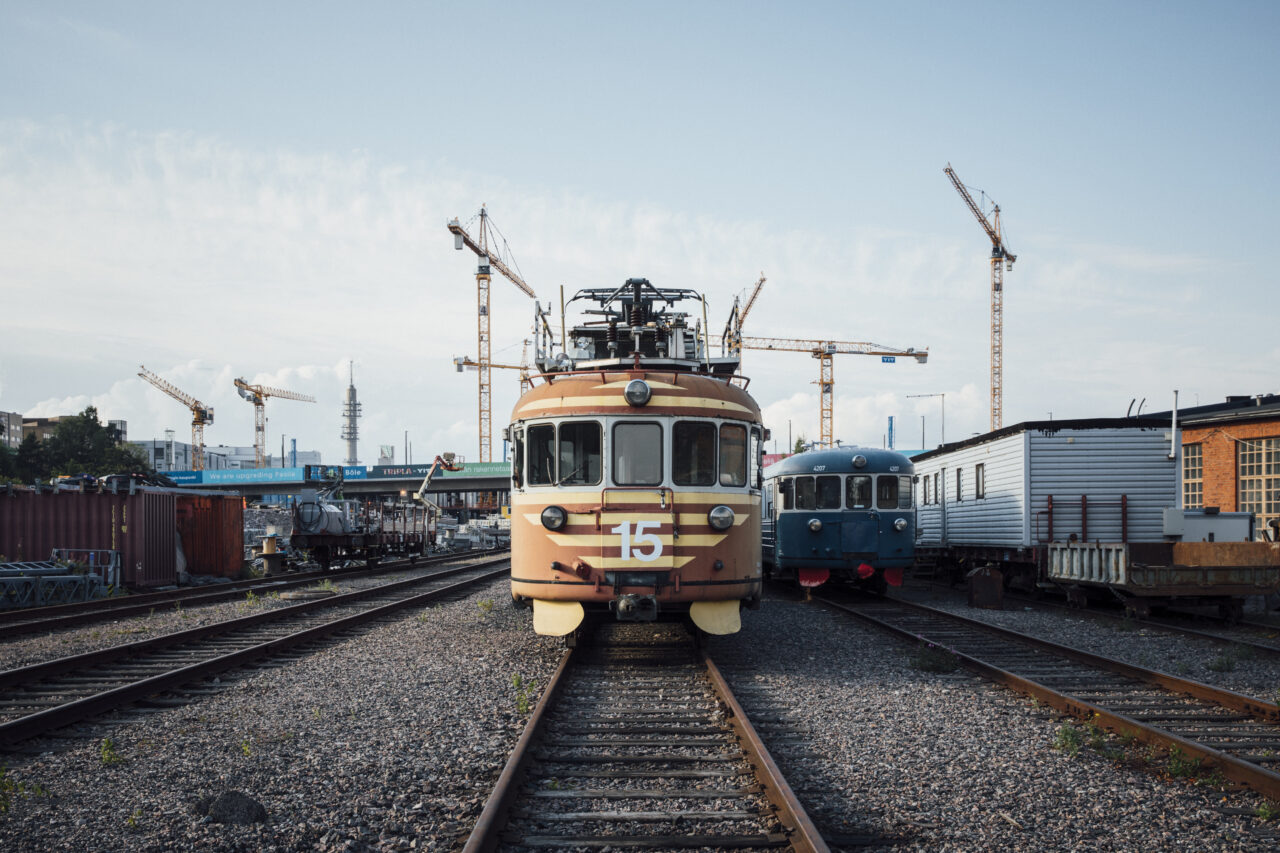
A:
1103, 464
998, 518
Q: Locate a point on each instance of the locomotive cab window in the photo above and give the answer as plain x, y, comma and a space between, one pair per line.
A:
805, 496
517, 457
904, 493
542, 455
786, 493
858, 492
579, 453
733, 455
693, 453
887, 492
637, 454
756, 474
828, 492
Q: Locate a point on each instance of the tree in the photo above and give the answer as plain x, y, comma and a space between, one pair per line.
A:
31, 460
81, 443
800, 442
8, 459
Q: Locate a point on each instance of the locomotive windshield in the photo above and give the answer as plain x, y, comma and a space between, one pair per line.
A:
858, 492
893, 492
637, 454
693, 453
733, 455
578, 453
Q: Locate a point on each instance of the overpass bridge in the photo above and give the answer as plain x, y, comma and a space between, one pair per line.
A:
357, 481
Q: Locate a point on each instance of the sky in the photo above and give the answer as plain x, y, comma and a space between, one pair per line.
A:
262, 191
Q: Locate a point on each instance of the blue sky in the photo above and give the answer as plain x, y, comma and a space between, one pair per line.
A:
261, 190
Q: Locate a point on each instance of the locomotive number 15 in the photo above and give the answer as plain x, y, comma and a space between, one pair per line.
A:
640, 538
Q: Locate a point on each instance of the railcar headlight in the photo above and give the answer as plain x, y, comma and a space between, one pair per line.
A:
900, 525
720, 517
553, 518
859, 461
638, 392
815, 525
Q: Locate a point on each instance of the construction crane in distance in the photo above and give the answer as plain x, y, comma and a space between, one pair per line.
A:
526, 377
731, 339
200, 414
825, 351
1001, 261
485, 250
258, 394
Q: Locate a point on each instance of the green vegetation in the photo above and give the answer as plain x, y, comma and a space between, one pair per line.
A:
132, 820
1182, 766
11, 788
246, 747
1225, 662
1267, 811
1069, 739
523, 692
931, 658
485, 605
79, 444
107, 752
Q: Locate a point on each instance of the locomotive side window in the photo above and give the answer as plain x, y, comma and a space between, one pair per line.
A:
693, 453
858, 492
733, 455
756, 474
886, 492
637, 454
904, 493
542, 455
786, 493
828, 492
805, 496
580, 453
517, 457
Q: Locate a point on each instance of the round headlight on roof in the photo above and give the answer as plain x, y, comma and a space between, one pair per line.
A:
859, 461
638, 392
720, 517
553, 518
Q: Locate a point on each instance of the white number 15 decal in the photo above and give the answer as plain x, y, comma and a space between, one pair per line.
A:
624, 529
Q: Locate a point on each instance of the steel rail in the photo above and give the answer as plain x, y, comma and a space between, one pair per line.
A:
33, 725
1260, 779
35, 620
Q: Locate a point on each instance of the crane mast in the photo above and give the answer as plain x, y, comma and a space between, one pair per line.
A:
258, 394
200, 414
1001, 261
487, 259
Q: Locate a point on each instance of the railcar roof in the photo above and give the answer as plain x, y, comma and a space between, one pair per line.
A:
1049, 428
839, 460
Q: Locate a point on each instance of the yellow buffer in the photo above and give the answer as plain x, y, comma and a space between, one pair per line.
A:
714, 617
557, 618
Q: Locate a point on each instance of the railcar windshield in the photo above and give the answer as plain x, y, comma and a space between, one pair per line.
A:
828, 492
886, 492
786, 493
806, 497
637, 454
857, 493
542, 455
693, 453
904, 493
580, 453
733, 455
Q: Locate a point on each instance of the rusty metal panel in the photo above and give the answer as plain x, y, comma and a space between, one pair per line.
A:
212, 532
986, 588
1226, 554
139, 526
1110, 564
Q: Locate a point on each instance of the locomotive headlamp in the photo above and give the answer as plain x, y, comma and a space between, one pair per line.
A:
900, 525
720, 517
553, 518
859, 461
638, 392
815, 525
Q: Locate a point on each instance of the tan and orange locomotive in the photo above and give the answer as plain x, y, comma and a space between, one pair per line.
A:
636, 473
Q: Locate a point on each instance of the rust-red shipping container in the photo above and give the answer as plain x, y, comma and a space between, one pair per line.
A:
212, 532
139, 526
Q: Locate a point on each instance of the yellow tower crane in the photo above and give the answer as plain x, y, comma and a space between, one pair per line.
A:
1001, 261
200, 414
526, 375
258, 394
824, 352
488, 258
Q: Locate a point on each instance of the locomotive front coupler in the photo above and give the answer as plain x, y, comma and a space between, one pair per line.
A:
635, 608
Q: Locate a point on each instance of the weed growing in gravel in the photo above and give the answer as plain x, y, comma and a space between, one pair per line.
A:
1224, 662
107, 752
1267, 811
1245, 653
1182, 766
325, 585
1097, 737
1181, 668
246, 747
931, 658
522, 693
10, 788
315, 713
485, 605
1069, 739
132, 820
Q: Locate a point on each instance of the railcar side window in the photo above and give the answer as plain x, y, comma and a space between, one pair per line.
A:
637, 454
693, 453
858, 492
886, 492
542, 455
580, 453
733, 455
904, 493
756, 473
828, 492
937, 487
517, 457
804, 493
786, 493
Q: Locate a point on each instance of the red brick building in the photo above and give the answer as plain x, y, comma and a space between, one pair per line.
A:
1231, 457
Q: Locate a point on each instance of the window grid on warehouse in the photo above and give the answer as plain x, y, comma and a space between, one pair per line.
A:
1192, 476
1258, 471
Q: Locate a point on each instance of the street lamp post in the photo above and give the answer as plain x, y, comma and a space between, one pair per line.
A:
943, 395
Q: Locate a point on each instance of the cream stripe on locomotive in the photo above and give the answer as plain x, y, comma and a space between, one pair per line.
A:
632, 496
596, 403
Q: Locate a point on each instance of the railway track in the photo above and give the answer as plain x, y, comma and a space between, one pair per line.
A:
41, 698
1236, 734
15, 623
638, 743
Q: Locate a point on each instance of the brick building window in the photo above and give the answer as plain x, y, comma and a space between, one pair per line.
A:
1258, 473
1192, 476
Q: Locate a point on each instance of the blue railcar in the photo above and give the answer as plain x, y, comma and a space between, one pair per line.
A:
846, 514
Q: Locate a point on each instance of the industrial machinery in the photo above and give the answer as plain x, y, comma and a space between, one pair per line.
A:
258, 394
200, 414
1001, 261
636, 471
